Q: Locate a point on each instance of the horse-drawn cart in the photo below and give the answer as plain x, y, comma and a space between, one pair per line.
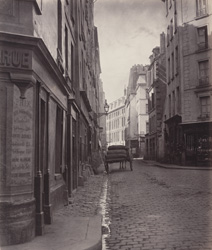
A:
118, 153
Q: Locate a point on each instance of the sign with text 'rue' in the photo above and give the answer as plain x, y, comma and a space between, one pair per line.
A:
15, 58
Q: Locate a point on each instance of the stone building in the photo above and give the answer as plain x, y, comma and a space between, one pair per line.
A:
188, 116
136, 110
115, 122
49, 70
156, 80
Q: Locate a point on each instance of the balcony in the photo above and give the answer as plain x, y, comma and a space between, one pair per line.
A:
203, 117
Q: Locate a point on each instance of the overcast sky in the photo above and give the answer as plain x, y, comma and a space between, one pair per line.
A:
128, 30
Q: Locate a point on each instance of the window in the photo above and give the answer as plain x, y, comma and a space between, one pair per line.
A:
66, 50
169, 106
173, 103
153, 100
202, 37
178, 100
170, 4
176, 61
201, 7
205, 105
168, 37
169, 68
167, 7
172, 65
72, 62
203, 73
147, 127
72, 9
171, 29
146, 108
175, 16
59, 27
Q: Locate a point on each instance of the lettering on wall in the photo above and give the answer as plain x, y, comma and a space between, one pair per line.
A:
3, 102
15, 58
22, 139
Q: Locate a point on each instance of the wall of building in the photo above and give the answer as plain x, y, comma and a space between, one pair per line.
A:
115, 124
49, 97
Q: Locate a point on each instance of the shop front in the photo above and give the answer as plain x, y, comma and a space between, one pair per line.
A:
33, 132
198, 143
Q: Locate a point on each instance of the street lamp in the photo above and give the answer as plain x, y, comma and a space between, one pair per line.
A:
106, 109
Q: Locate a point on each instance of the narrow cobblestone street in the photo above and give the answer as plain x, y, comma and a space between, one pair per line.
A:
155, 208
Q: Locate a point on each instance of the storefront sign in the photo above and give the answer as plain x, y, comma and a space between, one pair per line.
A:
15, 58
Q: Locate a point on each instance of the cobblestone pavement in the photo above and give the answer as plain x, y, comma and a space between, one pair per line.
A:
155, 208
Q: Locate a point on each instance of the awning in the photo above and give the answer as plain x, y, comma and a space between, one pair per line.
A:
176, 118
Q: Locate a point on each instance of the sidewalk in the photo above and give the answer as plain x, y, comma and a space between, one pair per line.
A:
77, 226
173, 166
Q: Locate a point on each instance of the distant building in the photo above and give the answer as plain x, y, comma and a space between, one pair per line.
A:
156, 80
189, 81
136, 110
115, 124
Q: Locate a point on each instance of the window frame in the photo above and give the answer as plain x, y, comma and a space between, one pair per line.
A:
203, 81
205, 27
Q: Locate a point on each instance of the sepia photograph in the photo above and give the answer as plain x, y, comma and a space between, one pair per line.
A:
105, 124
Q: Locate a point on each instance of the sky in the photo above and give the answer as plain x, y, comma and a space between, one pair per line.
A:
128, 30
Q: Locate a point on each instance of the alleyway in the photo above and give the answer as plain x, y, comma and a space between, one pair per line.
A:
155, 208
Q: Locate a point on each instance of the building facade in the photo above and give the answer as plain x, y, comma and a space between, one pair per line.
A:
49, 70
115, 123
136, 110
156, 78
188, 116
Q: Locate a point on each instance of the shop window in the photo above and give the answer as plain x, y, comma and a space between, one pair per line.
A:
201, 7
202, 38
204, 72
205, 106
